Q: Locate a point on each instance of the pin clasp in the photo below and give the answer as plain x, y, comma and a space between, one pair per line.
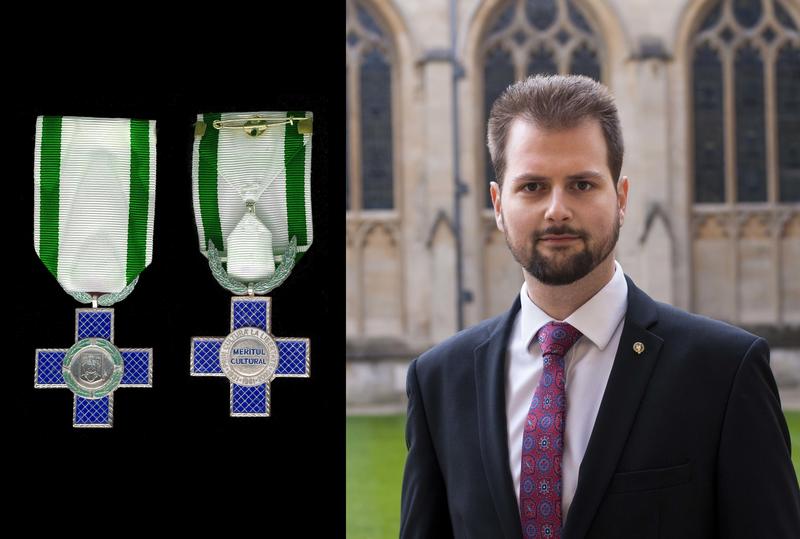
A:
256, 126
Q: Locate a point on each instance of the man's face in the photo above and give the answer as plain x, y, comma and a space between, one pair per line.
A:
558, 207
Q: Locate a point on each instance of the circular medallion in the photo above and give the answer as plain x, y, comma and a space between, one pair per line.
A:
92, 368
249, 357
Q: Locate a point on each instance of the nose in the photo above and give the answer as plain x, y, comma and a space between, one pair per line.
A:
557, 207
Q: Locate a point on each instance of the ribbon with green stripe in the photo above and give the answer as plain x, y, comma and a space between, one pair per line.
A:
269, 171
94, 197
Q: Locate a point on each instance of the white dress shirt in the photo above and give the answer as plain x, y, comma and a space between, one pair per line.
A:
588, 364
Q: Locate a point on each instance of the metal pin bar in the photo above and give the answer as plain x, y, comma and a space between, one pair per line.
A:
254, 122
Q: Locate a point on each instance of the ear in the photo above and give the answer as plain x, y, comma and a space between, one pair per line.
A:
622, 197
495, 191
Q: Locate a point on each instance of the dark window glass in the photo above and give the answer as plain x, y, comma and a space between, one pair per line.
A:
541, 62
751, 178
584, 62
504, 19
788, 109
747, 12
783, 17
498, 74
367, 22
541, 13
347, 172
577, 18
709, 165
376, 131
712, 17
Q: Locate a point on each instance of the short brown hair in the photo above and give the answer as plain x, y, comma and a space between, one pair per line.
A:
555, 102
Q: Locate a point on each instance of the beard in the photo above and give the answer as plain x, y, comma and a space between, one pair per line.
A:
561, 268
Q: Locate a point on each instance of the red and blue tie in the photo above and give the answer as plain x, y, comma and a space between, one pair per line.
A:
543, 438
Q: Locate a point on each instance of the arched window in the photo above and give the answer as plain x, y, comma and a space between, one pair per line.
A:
745, 159
746, 104
530, 37
369, 177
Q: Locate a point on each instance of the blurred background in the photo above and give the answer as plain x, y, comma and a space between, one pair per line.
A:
708, 93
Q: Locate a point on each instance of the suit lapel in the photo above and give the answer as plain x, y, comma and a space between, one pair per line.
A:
490, 388
625, 388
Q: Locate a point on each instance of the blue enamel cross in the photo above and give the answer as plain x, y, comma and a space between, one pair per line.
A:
94, 332
292, 355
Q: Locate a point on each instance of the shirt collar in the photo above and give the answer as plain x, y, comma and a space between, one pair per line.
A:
597, 319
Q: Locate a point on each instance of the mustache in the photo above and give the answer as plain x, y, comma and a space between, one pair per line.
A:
558, 230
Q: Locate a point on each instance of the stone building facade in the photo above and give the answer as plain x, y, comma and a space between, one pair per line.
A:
709, 99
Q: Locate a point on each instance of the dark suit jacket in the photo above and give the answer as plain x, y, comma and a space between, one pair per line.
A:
689, 441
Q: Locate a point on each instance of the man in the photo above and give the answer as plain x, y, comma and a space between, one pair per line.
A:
588, 409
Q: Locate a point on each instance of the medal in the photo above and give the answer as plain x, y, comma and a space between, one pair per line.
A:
94, 198
251, 178
250, 357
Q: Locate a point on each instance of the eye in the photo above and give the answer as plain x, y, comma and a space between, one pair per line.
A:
583, 185
532, 187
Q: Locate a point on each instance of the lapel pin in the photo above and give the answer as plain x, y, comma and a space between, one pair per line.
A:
638, 347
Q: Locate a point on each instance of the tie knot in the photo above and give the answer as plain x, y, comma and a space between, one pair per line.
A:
556, 338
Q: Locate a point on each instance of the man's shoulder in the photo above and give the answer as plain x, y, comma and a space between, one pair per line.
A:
461, 345
690, 327
466, 339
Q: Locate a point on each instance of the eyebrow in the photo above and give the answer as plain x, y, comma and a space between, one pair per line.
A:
582, 175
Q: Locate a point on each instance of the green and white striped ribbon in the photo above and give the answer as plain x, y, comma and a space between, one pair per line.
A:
272, 169
94, 199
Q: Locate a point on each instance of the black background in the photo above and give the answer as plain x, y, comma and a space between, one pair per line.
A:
174, 451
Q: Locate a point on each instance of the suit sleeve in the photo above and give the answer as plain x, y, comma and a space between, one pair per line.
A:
424, 510
757, 486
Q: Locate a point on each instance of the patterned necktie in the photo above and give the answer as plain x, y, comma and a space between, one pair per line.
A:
543, 438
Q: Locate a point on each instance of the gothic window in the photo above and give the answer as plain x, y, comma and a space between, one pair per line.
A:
788, 114
750, 151
709, 161
370, 161
530, 37
746, 104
